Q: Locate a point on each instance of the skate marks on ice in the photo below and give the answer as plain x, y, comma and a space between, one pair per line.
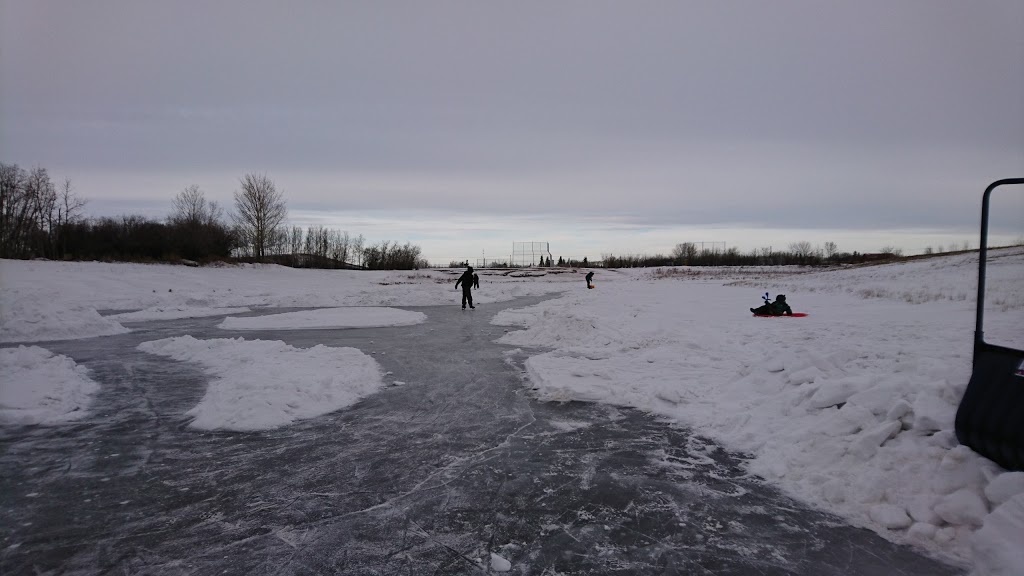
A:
629, 495
433, 476
133, 488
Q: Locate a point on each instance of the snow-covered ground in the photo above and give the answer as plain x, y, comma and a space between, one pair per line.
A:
850, 409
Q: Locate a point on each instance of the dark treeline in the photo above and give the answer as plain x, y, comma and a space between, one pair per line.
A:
136, 238
799, 253
690, 254
41, 220
392, 256
34, 213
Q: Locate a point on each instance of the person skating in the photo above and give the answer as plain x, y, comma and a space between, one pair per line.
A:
476, 280
590, 276
467, 286
777, 308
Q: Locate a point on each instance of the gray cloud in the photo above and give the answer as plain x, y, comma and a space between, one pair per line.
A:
786, 114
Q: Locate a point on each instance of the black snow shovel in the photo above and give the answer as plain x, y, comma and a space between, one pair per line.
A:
990, 418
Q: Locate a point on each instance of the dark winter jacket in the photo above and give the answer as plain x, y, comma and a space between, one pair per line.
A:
466, 280
777, 308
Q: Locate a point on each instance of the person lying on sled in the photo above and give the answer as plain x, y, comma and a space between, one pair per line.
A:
777, 308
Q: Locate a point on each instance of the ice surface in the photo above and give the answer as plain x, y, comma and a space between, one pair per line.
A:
173, 312
325, 318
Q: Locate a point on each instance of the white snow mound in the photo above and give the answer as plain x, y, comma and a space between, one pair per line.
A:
40, 387
262, 384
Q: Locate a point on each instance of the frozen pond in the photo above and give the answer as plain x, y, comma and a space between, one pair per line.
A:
449, 464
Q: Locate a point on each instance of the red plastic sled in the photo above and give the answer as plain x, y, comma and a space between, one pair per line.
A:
794, 315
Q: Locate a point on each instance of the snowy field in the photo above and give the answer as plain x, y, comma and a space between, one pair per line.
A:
850, 409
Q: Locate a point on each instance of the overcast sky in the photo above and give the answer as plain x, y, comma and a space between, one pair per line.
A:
601, 127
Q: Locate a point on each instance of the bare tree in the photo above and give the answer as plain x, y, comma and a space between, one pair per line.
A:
802, 250
340, 247
69, 207
684, 253
831, 250
13, 205
192, 210
357, 248
33, 214
70, 204
296, 240
34, 220
317, 239
260, 213
279, 241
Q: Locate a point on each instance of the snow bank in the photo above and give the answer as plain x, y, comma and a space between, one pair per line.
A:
38, 318
358, 317
260, 384
999, 546
39, 387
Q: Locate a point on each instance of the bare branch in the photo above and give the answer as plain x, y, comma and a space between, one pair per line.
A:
260, 212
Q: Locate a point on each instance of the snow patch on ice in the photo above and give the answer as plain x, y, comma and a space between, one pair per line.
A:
261, 384
40, 387
499, 564
35, 320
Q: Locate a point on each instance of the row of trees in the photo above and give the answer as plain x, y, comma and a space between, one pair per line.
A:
139, 238
691, 254
798, 253
392, 256
34, 212
319, 243
40, 219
